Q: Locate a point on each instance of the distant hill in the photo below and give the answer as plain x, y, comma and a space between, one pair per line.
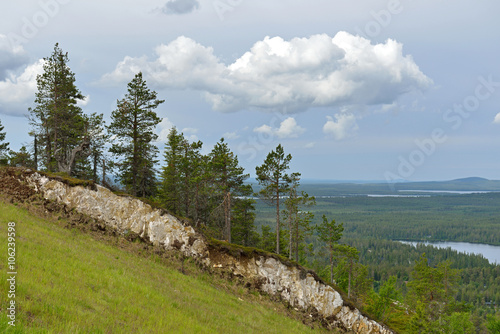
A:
464, 184
337, 189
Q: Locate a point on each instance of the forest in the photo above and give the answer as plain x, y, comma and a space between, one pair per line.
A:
347, 240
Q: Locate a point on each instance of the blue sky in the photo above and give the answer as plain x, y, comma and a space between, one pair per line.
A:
372, 90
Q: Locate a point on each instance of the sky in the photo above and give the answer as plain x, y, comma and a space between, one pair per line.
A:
353, 90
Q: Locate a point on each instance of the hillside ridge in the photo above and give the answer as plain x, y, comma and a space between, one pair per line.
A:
267, 273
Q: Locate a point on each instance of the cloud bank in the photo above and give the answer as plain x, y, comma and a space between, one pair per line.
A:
18, 92
11, 57
285, 76
173, 7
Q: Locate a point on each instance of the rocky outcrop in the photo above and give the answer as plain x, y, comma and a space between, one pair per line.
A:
300, 288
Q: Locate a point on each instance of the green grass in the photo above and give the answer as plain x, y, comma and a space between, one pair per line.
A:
69, 282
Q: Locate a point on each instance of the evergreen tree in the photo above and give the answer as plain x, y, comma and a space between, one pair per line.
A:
170, 191
183, 177
298, 219
431, 293
98, 140
382, 303
243, 229
133, 124
86, 166
330, 233
59, 125
21, 158
191, 170
351, 254
228, 178
4, 147
274, 181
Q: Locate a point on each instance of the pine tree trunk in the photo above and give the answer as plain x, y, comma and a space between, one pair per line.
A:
331, 267
277, 221
36, 153
290, 235
228, 217
103, 172
349, 284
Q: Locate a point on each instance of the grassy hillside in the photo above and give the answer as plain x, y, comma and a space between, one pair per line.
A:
70, 282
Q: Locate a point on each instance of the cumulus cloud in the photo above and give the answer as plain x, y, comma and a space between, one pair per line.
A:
343, 126
286, 76
163, 129
190, 134
497, 118
231, 135
18, 92
11, 56
84, 102
288, 129
180, 6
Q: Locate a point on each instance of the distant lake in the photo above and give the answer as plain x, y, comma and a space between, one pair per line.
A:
458, 192
492, 253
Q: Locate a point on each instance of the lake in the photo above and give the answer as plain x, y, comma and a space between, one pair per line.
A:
492, 253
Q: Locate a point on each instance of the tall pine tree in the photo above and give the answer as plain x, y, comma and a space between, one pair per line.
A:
133, 124
298, 219
274, 181
228, 178
330, 233
59, 124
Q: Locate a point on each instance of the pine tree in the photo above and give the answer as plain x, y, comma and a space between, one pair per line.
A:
170, 191
59, 124
21, 158
86, 166
272, 176
182, 178
4, 147
298, 220
98, 140
133, 124
351, 254
330, 233
191, 169
228, 178
243, 226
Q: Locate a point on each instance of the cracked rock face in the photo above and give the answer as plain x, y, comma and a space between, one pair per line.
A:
286, 281
300, 289
124, 214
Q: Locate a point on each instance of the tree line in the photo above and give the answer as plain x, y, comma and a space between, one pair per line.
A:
211, 189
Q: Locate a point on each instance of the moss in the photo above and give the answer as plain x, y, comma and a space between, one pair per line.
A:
70, 181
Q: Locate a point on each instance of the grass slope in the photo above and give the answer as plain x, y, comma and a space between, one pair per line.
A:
69, 282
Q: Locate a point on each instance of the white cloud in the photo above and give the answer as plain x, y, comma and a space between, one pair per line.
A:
343, 126
190, 134
231, 135
288, 76
288, 129
18, 92
163, 129
84, 102
310, 145
180, 6
11, 56
497, 118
